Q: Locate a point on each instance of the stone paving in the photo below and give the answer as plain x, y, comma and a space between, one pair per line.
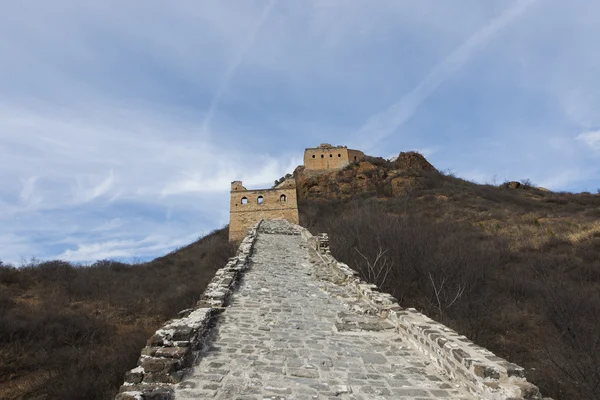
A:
290, 334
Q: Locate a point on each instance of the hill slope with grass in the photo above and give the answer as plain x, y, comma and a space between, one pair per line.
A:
71, 332
517, 270
513, 267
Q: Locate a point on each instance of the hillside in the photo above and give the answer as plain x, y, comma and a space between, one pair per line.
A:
517, 270
513, 267
69, 332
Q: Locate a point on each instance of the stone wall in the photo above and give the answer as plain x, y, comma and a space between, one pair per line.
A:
480, 371
174, 347
246, 209
355, 155
327, 157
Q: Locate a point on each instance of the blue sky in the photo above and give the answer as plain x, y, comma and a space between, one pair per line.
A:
122, 124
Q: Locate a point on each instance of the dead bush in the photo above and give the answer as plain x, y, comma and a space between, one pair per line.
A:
83, 327
537, 308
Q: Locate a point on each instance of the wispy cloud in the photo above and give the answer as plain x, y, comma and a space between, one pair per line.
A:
386, 122
590, 138
233, 67
28, 194
111, 133
565, 178
114, 181
125, 249
85, 194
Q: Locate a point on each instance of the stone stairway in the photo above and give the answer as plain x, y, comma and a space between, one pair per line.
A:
288, 333
284, 320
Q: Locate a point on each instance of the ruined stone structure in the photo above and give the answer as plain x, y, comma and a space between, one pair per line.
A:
301, 325
327, 157
247, 207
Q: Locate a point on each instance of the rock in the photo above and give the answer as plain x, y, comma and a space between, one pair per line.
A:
413, 161
129, 396
135, 375
154, 364
486, 371
173, 352
155, 340
163, 394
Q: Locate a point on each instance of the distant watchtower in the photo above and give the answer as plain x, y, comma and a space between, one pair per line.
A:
327, 157
247, 207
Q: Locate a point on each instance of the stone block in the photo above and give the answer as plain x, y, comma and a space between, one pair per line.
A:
528, 390
173, 352
135, 375
129, 396
150, 351
164, 377
183, 333
155, 364
161, 394
486, 371
514, 370
460, 355
155, 340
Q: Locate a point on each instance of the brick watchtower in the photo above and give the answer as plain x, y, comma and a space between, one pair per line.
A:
327, 157
247, 207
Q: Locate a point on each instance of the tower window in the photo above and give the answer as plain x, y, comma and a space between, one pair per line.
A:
313, 156
322, 156
244, 200
283, 198
260, 200
339, 155
331, 155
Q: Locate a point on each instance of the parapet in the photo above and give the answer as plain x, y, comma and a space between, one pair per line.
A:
481, 372
172, 350
237, 186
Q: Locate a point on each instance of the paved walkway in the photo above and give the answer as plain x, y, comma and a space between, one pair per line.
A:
289, 335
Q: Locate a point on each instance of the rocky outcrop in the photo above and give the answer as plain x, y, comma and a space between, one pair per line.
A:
412, 161
370, 177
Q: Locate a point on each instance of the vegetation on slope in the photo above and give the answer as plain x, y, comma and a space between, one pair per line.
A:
70, 332
515, 270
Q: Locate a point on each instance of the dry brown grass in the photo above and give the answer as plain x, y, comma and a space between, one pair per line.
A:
69, 332
529, 260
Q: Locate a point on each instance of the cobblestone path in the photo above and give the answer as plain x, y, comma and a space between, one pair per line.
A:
284, 336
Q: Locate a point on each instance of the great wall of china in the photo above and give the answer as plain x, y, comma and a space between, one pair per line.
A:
285, 320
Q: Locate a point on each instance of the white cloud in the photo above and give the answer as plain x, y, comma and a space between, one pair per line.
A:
124, 249
232, 68
384, 123
28, 193
86, 194
591, 139
109, 225
565, 178
103, 163
111, 131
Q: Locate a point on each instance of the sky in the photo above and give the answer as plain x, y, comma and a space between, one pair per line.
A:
122, 124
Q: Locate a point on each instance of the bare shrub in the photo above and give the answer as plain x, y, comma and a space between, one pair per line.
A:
577, 357
403, 255
83, 327
378, 269
537, 307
